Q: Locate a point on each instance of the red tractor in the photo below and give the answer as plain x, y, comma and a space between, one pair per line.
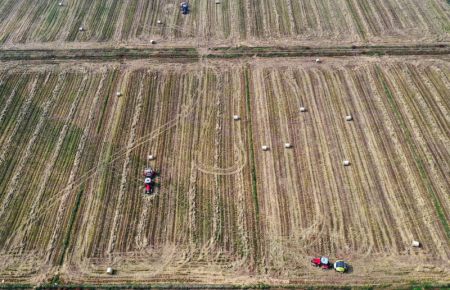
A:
149, 175
322, 262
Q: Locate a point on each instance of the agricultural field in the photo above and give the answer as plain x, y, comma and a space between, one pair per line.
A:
43, 23
72, 152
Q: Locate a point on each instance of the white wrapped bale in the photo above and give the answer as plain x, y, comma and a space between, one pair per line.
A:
415, 244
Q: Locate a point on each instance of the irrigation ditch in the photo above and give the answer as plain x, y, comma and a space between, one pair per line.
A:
220, 52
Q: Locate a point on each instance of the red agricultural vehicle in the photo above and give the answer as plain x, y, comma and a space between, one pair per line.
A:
149, 175
322, 262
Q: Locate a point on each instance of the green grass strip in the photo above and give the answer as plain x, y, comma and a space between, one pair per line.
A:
69, 230
417, 159
252, 158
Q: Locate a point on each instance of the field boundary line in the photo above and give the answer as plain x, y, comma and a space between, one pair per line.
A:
252, 163
109, 53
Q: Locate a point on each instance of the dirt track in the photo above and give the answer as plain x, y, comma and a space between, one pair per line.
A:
191, 53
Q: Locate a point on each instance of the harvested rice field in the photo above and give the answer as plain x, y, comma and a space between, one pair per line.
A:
229, 145
45, 23
75, 138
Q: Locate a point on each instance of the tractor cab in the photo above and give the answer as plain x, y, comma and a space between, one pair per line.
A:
340, 266
149, 172
322, 262
184, 6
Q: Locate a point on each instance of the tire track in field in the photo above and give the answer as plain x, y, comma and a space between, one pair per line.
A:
15, 178
105, 163
102, 166
140, 141
165, 127
241, 160
51, 162
193, 179
39, 126
125, 169
96, 178
81, 146
140, 240
237, 167
238, 100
